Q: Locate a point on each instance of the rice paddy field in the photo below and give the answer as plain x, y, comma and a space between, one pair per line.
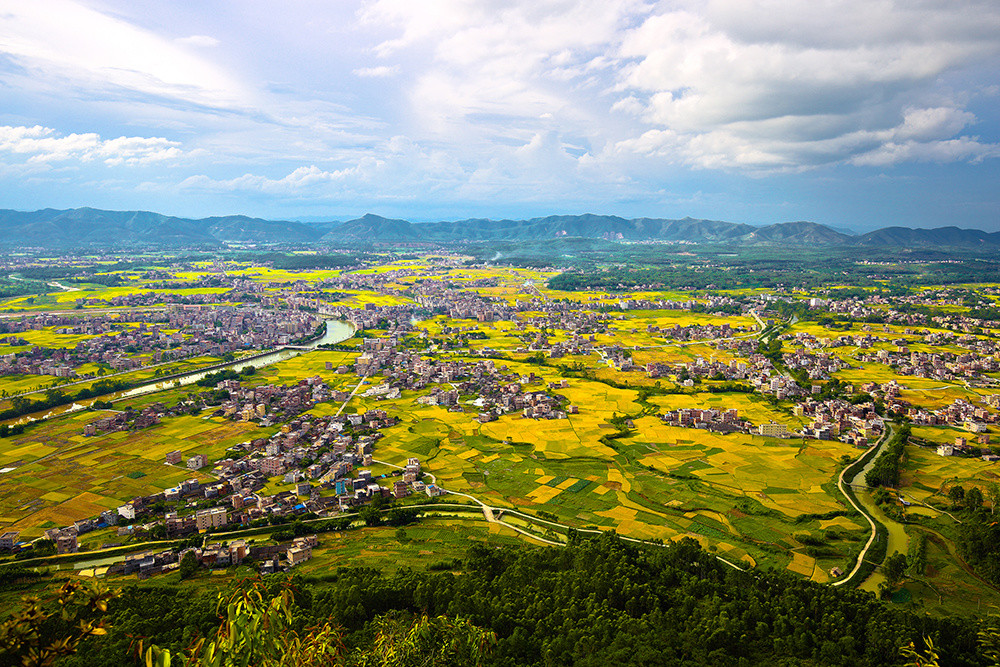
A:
426, 543
11, 385
734, 493
95, 294
927, 477
53, 474
756, 501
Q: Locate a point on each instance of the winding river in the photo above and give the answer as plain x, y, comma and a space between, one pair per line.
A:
337, 331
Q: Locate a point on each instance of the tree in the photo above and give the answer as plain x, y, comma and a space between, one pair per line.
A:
258, 629
957, 495
974, 499
438, 641
993, 491
255, 631
894, 567
189, 565
926, 658
44, 630
370, 515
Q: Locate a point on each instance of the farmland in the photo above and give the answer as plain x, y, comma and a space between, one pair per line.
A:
640, 413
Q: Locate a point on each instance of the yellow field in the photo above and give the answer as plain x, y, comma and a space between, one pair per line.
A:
927, 477
59, 475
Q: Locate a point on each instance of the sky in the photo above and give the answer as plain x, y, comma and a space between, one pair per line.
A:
852, 113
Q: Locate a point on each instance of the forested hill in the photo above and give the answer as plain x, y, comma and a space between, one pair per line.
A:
597, 602
88, 227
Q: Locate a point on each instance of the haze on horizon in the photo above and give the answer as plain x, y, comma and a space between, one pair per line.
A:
851, 113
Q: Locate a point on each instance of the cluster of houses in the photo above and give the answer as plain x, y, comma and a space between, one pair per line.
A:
126, 420
834, 419
269, 557
265, 404
945, 366
960, 414
499, 390
318, 455
721, 421
272, 403
136, 338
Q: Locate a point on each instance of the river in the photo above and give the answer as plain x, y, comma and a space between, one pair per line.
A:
336, 332
897, 537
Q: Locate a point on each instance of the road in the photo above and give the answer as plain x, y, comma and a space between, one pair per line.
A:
353, 392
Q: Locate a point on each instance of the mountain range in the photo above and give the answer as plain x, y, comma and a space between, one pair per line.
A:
88, 227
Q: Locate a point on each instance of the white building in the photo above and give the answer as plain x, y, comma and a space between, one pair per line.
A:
773, 430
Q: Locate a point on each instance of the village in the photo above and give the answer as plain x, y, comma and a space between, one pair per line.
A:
117, 343
323, 463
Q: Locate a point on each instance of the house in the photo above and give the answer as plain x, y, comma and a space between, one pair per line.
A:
197, 461
67, 544
297, 555
945, 450
306, 541
773, 430
127, 512
179, 526
215, 517
8, 539
174, 457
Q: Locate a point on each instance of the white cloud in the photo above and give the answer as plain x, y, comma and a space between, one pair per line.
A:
42, 145
793, 85
199, 40
62, 43
950, 150
298, 181
494, 100
499, 66
377, 72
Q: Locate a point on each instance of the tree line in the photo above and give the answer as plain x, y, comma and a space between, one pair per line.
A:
596, 602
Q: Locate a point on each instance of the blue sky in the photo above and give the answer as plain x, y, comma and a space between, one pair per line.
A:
853, 113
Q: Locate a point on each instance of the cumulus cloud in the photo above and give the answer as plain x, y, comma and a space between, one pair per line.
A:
298, 181
790, 85
497, 66
407, 171
499, 100
43, 145
723, 84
